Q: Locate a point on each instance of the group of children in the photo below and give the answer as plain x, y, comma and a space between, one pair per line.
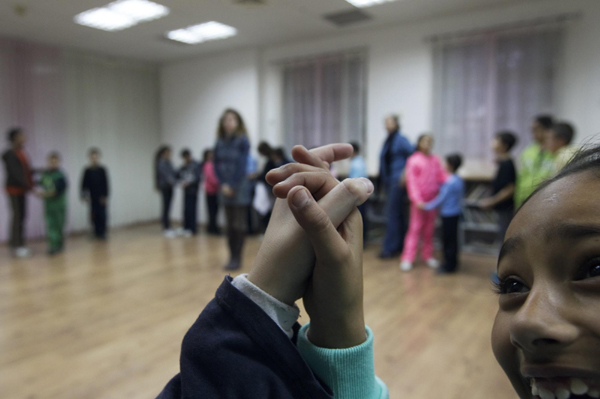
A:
430, 186
50, 184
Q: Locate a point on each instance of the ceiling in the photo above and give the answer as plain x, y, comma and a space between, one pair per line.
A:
279, 21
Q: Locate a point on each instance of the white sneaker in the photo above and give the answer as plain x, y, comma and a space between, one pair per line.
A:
406, 266
170, 234
433, 263
22, 252
179, 232
187, 233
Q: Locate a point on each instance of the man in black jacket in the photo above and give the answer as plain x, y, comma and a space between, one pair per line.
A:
18, 183
95, 190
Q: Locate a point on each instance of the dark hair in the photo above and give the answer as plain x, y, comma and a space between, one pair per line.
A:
454, 160
241, 130
509, 139
205, 154
546, 121
584, 160
94, 151
186, 153
355, 147
279, 152
265, 149
157, 157
13, 132
54, 155
564, 131
421, 137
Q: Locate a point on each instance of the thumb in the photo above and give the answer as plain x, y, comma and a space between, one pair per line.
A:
315, 222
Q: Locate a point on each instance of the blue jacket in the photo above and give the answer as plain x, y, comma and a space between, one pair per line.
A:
450, 197
231, 161
400, 149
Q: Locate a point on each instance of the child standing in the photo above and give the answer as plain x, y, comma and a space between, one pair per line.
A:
502, 199
449, 200
424, 176
190, 178
211, 188
559, 144
166, 179
94, 189
54, 186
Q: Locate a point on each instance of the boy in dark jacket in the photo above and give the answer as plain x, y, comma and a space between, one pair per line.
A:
53, 185
18, 183
95, 190
190, 180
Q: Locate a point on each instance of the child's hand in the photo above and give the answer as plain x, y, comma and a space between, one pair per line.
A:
334, 297
285, 259
421, 205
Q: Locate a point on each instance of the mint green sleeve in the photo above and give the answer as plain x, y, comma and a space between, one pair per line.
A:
350, 372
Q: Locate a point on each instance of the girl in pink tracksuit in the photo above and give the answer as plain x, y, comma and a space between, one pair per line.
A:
424, 176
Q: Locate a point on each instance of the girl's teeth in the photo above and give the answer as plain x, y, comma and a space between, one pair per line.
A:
594, 393
562, 393
545, 394
578, 387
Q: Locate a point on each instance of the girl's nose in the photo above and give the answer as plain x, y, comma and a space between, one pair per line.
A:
540, 326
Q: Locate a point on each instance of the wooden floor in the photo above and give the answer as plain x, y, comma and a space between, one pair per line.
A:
105, 320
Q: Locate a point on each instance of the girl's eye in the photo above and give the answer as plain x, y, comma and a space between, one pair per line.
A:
593, 271
511, 285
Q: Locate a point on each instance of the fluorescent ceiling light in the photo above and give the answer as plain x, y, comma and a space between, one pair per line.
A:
121, 14
202, 32
105, 19
367, 3
140, 10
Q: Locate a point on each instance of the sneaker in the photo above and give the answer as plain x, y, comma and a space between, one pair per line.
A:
22, 252
170, 234
187, 233
433, 263
406, 266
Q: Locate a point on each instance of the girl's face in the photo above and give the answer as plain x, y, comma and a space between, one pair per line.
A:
426, 144
167, 154
546, 335
230, 123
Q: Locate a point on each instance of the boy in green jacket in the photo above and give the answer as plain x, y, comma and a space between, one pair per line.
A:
53, 184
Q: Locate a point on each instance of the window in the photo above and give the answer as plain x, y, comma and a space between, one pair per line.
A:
324, 100
490, 83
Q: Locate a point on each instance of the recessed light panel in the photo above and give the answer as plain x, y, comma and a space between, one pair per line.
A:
121, 14
202, 32
367, 3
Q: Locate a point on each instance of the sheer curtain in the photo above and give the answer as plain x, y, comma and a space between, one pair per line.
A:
324, 100
69, 102
493, 82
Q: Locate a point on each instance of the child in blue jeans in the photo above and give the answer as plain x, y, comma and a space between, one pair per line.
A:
449, 200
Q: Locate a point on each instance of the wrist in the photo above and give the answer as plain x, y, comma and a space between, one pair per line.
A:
338, 333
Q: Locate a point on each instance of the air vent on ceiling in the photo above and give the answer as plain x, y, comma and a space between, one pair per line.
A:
250, 2
346, 18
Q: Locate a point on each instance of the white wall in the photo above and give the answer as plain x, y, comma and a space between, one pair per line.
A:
399, 72
113, 105
195, 93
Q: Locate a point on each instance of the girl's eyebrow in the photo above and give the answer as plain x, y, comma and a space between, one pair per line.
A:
573, 231
509, 246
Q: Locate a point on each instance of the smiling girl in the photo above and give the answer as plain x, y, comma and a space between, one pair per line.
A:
546, 335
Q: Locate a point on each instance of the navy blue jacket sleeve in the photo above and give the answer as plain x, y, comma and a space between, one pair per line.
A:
234, 350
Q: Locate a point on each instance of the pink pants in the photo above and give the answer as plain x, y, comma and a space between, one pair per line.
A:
421, 226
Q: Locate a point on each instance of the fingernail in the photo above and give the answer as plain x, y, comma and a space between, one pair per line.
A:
368, 184
300, 198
